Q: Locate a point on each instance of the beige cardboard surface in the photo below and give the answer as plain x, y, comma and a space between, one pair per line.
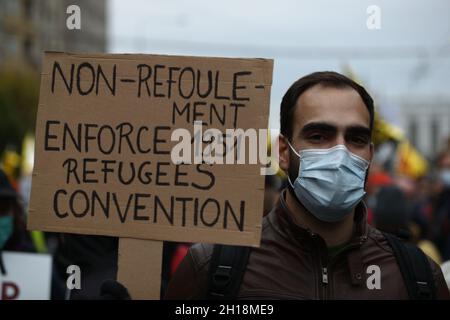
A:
139, 267
102, 160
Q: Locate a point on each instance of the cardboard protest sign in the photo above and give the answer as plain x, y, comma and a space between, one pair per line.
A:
28, 276
139, 267
103, 161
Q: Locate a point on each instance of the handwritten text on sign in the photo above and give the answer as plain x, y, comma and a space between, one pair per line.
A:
103, 147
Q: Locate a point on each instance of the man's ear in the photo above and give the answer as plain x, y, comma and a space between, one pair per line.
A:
283, 149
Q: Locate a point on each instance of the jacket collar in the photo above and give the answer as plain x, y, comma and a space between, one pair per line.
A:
281, 219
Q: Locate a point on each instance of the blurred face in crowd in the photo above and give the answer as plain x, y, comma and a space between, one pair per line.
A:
6, 220
445, 161
325, 117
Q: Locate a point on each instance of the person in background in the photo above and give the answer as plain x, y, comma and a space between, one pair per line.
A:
422, 207
377, 179
13, 233
391, 212
441, 212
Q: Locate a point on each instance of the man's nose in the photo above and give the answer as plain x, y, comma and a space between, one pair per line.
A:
340, 139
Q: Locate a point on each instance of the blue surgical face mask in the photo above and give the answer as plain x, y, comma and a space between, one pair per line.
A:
6, 229
330, 182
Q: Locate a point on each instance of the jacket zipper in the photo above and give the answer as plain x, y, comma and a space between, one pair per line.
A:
325, 275
323, 267
325, 281
326, 271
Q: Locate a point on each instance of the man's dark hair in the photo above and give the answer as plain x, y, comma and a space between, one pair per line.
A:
325, 78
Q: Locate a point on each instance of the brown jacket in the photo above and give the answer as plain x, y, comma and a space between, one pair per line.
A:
293, 263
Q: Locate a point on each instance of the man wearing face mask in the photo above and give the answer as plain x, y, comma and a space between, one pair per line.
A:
316, 242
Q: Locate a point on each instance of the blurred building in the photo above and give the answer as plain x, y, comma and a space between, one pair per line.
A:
427, 123
29, 27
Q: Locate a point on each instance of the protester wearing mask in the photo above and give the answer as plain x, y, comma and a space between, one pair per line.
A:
13, 233
316, 242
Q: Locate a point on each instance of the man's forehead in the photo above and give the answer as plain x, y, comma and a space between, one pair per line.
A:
341, 106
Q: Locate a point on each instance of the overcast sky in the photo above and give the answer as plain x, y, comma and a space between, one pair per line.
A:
409, 55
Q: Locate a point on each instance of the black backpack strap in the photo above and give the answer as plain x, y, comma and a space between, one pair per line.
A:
227, 268
414, 267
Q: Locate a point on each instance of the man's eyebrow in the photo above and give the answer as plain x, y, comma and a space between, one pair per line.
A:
322, 126
357, 129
